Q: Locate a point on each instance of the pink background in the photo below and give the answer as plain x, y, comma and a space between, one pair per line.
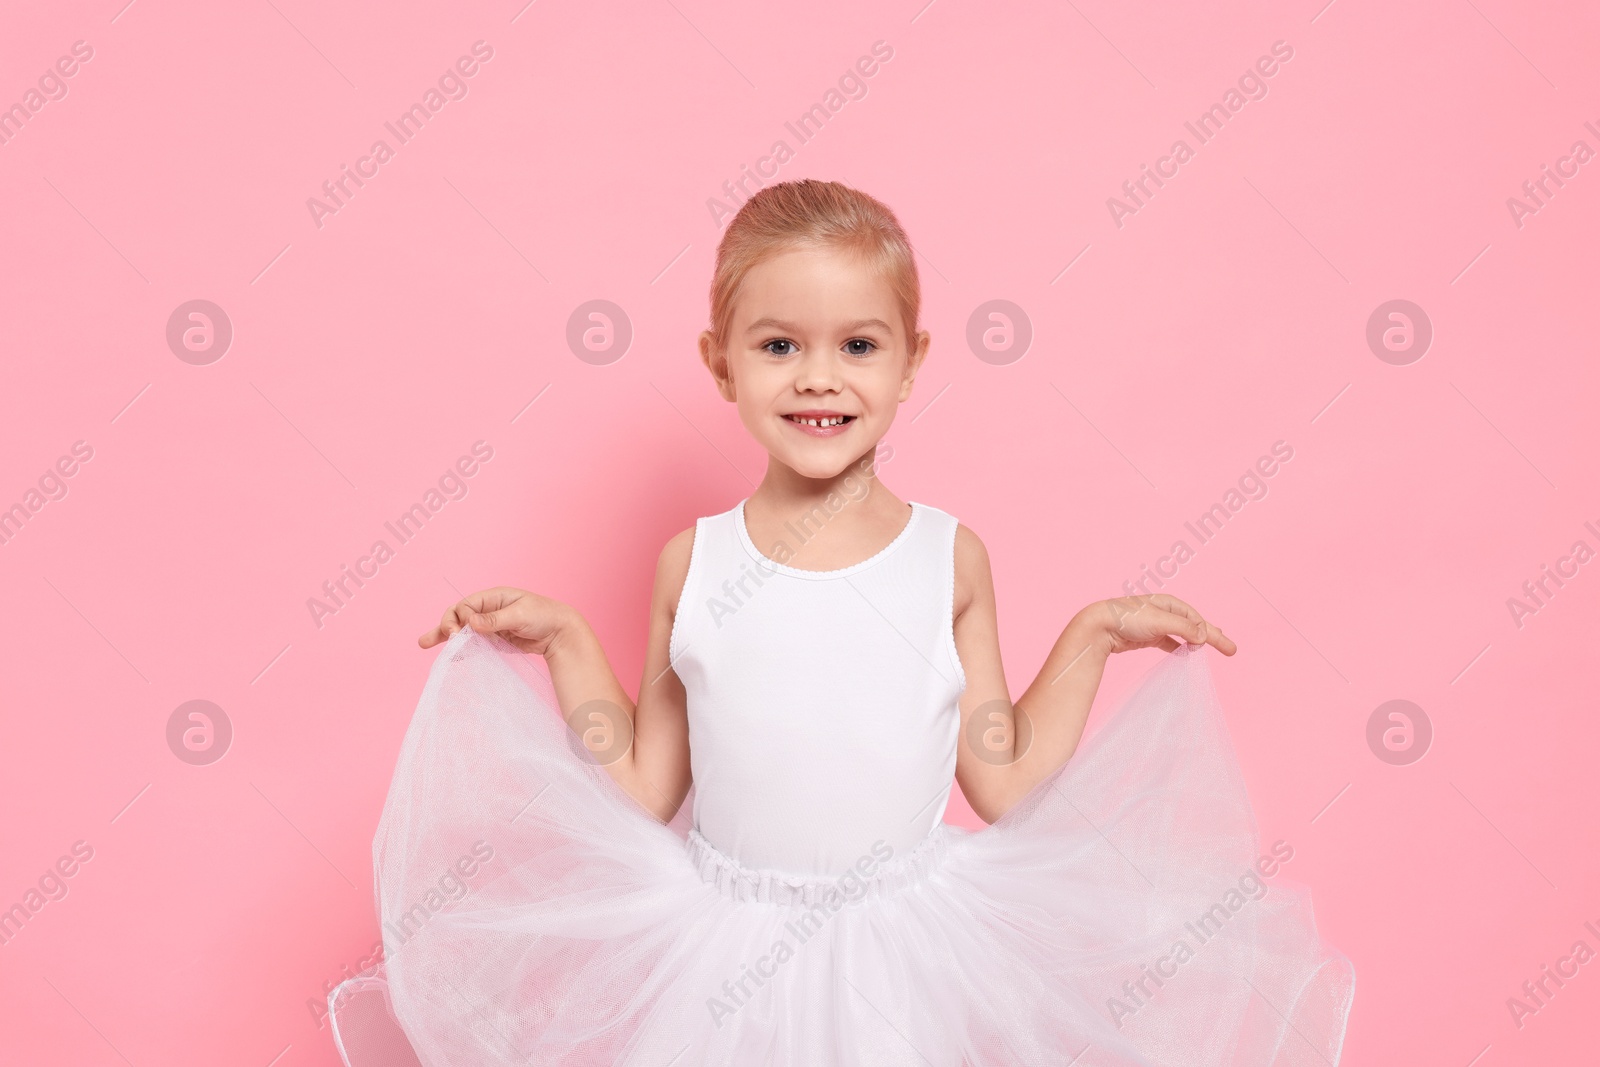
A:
368, 354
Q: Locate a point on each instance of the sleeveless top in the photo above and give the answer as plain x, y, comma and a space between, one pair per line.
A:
822, 705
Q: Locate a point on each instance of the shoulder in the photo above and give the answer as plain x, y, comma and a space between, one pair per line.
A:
676, 551
974, 584
672, 569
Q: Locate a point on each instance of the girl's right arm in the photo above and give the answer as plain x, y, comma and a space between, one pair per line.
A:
644, 745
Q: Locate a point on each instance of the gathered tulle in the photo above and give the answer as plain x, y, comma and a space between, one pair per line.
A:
1123, 913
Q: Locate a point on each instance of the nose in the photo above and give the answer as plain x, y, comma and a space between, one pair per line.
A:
817, 372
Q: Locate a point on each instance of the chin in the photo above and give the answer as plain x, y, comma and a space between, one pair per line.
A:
818, 467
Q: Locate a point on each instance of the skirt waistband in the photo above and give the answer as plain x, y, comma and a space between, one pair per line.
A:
738, 882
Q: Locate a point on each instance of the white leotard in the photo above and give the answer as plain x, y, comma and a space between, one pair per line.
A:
822, 705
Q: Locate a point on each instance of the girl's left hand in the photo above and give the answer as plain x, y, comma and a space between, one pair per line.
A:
1156, 620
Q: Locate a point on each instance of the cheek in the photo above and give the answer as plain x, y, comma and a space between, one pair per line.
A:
883, 391
761, 385
759, 394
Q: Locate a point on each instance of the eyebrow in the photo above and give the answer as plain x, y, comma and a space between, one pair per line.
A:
859, 324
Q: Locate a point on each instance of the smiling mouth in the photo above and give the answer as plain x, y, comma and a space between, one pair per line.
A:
820, 425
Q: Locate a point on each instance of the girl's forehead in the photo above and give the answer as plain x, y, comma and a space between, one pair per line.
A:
805, 274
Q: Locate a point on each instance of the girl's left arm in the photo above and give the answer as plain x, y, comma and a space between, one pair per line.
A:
1007, 748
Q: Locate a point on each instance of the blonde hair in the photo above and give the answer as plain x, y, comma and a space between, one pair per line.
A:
810, 213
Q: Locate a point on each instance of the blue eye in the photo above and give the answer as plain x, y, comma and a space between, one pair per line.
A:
870, 347
779, 341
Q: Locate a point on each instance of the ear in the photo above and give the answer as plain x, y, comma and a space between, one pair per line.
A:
717, 363
914, 363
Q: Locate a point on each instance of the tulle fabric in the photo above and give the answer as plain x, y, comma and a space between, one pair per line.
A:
533, 913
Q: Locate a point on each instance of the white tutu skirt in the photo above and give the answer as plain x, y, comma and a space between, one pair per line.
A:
1123, 913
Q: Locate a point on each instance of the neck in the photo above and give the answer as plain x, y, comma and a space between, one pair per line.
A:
784, 489
821, 519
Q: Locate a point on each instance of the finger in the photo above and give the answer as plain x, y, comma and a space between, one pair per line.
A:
1221, 641
1172, 605
1205, 632
451, 621
438, 633
1181, 627
1210, 635
489, 622
456, 618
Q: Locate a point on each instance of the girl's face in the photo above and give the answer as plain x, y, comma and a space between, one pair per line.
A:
816, 336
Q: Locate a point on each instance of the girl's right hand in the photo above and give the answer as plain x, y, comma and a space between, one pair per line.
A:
527, 620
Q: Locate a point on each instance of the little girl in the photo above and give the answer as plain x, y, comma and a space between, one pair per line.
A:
749, 865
